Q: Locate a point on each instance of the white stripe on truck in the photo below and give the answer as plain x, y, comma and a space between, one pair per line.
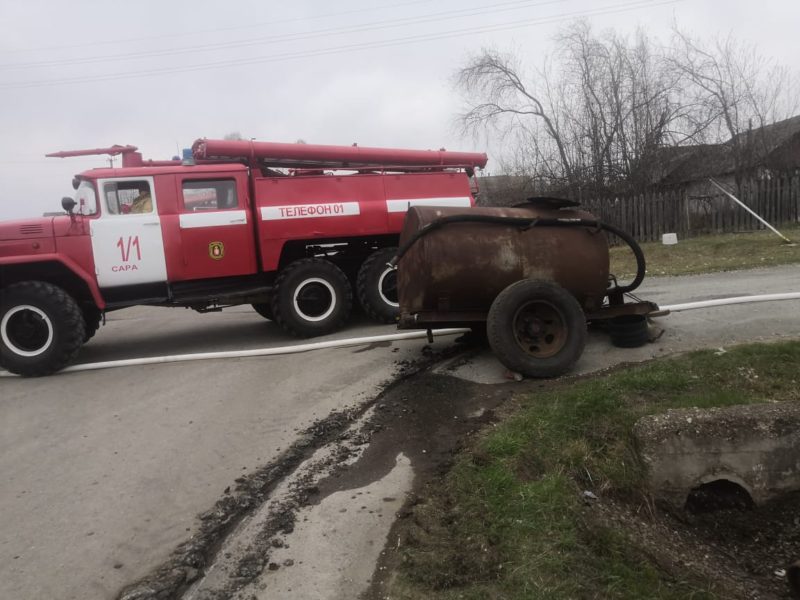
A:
217, 218
310, 211
402, 205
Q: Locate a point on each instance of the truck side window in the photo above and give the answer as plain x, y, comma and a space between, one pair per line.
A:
86, 198
128, 197
209, 195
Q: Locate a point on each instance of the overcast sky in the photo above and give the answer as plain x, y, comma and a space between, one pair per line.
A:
159, 74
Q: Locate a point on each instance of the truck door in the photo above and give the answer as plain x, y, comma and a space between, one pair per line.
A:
127, 244
217, 236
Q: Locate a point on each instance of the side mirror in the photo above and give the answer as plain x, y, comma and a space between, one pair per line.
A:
68, 204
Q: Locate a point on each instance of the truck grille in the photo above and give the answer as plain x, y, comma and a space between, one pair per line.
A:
31, 229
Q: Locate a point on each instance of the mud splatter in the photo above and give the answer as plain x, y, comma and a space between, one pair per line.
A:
189, 560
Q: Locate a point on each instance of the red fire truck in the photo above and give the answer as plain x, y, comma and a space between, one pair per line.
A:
296, 230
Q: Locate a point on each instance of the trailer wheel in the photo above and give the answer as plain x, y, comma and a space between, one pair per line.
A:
377, 286
265, 310
41, 328
313, 297
536, 328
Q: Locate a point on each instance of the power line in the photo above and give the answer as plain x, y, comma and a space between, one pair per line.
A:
625, 7
613, 9
118, 41
291, 37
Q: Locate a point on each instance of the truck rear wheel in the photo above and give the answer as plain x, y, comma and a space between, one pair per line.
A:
41, 328
264, 309
313, 297
536, 328
377, 286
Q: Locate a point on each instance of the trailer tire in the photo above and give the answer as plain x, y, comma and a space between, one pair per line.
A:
265, 310
629, 331
377, 287
536, 328
41, 328
313, 297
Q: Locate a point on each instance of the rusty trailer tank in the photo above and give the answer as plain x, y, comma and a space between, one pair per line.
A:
530, 275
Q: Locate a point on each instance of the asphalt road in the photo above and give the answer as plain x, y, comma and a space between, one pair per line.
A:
104, 472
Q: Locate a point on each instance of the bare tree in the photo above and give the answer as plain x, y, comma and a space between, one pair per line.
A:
504, 100
733, 91
591, 118
625, 99
602, 110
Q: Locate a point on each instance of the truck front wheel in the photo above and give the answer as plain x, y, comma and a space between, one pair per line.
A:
377, 286
313, 297
41, 328
92, 317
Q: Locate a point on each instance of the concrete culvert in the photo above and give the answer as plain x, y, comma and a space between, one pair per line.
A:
720, 494
688, 452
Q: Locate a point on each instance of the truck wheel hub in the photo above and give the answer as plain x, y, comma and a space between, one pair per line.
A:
26, 330
314, 299
387, 287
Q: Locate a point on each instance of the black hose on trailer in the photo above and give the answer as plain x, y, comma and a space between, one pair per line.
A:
525, 223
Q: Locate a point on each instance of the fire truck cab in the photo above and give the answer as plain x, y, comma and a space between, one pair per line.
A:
295, 230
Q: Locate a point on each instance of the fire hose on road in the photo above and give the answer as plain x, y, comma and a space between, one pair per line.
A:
360, 341
728, 301
279, 351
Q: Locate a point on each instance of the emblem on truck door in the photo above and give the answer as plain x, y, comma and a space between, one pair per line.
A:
216, 250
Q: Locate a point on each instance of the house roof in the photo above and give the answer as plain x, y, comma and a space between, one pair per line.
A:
691, 163
698, 162
773, 136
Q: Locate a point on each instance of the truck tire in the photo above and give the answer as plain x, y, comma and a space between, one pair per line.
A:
377, 287
265, 310
313, 297
41, 328
536, 328
92, 317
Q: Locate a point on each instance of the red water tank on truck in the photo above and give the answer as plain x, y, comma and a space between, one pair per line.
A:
295, 230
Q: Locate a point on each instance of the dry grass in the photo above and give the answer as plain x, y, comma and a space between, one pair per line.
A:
711, 253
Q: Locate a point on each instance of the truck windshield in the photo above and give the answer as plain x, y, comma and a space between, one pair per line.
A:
86, 198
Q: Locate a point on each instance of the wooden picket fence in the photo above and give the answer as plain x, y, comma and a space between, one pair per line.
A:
678, 210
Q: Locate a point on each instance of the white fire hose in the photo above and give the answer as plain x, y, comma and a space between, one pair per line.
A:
294, 349
727, 301
360, 341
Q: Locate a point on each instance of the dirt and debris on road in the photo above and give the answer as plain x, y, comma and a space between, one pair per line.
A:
423, 421
424, 418
411, 415
191, 557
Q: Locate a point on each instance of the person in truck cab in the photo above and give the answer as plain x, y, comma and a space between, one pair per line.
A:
143, 203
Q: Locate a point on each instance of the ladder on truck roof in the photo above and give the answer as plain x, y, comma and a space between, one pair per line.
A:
274, 154
300, 156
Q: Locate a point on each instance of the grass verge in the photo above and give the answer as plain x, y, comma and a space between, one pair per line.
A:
711, 253
508, 521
